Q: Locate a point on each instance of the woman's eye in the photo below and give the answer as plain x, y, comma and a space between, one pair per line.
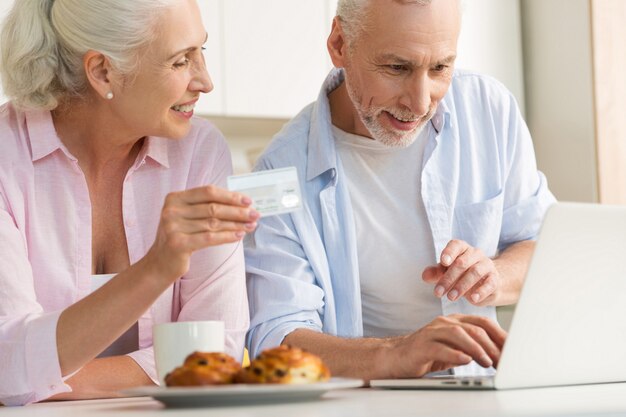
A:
182, 63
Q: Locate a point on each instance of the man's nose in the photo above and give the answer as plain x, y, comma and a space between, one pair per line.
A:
417, 94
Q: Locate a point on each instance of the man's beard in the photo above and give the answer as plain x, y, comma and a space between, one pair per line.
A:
390, 137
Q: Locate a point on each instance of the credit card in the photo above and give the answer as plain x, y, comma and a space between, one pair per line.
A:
275, 191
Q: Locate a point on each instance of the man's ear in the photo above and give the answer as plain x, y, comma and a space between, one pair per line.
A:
337, 44
99, 72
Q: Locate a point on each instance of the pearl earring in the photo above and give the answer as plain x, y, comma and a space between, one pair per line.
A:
109, 95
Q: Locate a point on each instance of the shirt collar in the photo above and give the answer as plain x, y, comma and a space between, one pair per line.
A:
441, 116
44, 140
321, 149
42, 135
157, 149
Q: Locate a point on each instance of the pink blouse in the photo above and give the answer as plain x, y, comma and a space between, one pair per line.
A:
45, 246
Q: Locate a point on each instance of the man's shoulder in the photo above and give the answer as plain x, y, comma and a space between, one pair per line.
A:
473, 85
289, 145
472, 94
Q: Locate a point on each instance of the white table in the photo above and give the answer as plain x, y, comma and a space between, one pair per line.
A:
590, 400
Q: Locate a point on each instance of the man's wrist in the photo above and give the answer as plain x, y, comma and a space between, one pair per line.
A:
387, 362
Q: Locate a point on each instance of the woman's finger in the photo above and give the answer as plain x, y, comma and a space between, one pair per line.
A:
209, 225
218, 211
203, 240
212, 194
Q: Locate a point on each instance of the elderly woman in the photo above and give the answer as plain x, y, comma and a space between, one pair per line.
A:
112, 215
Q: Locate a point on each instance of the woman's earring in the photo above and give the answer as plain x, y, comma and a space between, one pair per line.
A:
109, 95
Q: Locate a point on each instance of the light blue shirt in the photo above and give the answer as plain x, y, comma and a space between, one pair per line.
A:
480, 184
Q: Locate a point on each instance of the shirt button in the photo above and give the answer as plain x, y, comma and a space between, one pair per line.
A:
52, 387
130, 223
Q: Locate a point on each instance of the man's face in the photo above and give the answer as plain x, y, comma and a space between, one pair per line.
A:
400, 66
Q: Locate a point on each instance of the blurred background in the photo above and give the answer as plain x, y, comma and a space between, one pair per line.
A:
564, 60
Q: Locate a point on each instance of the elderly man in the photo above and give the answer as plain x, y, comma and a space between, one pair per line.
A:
422, 199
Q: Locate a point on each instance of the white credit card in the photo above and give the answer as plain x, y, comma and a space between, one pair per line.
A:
276, 191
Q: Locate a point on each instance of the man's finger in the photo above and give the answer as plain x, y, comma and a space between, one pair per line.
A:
483, 289
457, 337
495, 332
452, 250
481, 336
432, 274
456, 270
472, 275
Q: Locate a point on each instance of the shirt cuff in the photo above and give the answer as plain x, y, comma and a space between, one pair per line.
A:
43, 369
145, 359
276, 335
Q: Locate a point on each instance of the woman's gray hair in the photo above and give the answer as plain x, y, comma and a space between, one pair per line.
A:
43, 42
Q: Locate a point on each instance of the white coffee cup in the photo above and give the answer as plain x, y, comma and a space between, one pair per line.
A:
173, 342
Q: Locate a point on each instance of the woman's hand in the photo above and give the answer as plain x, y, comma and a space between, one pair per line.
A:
195, 219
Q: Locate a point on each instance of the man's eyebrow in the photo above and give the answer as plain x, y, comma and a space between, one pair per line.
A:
403, 61
447, 60
187, 50
394, 58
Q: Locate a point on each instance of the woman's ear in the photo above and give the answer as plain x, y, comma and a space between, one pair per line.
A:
99, 73
337, 45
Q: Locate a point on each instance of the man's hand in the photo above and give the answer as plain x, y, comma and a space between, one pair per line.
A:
447, 342
464, 271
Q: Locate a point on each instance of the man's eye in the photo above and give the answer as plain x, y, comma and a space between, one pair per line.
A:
440, 68
397, 67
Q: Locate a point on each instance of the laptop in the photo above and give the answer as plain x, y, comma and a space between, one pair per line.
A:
569, 326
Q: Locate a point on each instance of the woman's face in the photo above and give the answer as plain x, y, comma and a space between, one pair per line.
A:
158, 100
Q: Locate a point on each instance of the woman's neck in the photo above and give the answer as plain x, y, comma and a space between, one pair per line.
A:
92, 135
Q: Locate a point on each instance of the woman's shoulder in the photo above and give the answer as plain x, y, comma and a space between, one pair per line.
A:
13, 136
205, 137
202, 154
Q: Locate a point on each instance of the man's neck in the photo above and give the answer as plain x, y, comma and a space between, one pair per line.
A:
343, 113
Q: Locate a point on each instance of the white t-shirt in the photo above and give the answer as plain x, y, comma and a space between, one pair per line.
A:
394, 240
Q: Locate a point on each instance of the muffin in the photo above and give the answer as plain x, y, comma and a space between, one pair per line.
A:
201, 368
284, 365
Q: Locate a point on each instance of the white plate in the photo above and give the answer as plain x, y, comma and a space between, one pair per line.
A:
239, 394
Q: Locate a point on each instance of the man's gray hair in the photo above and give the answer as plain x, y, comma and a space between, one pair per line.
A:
43, 42
353, 13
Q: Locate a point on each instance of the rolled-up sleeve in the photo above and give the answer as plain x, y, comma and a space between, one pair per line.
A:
527, 197
282, 288
221, 295
28, 348
214, 288
145, 359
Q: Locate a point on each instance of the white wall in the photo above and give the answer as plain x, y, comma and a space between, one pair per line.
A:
491, 42
559, 95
